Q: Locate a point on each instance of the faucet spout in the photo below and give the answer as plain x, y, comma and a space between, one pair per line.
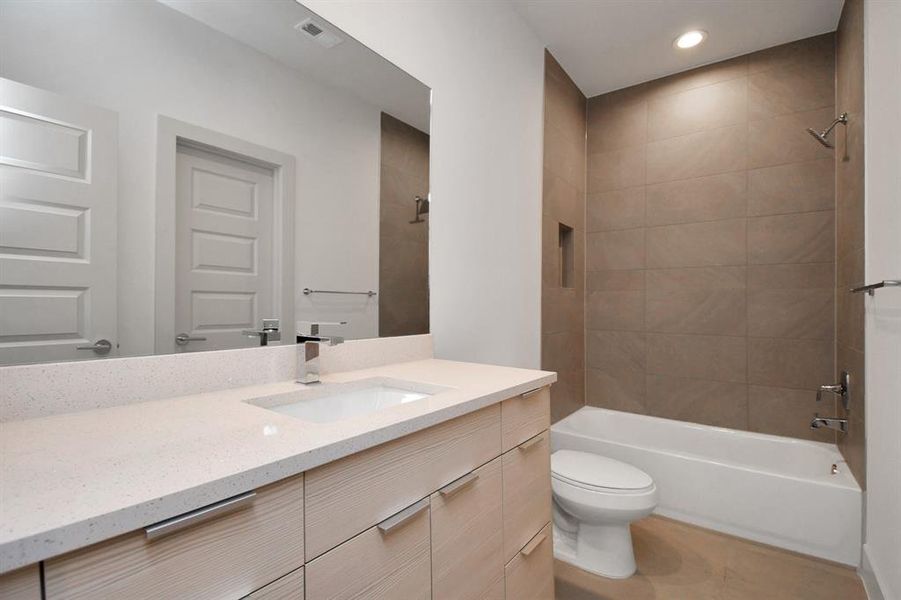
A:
818, 422
308, 347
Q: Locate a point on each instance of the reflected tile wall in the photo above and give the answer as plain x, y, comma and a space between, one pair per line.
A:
562, 312
711, 243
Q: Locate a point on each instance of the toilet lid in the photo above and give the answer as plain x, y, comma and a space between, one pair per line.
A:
592, 470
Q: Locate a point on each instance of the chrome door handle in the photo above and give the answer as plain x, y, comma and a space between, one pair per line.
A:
198, 516
183, 338
100, 347
396, 520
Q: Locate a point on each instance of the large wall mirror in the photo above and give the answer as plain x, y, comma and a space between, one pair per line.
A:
178, 174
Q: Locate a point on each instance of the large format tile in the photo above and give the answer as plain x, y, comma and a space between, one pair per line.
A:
616, 389
784, 139
697, 154
792, 313
564, 104
699, 199
616, 350
616, 280
791, 276
616, 249
709, 300
715, 358
616, 310
810, 53
725, 70
788, 412
619, 209
792, 188
616, 169
615, 125
790, 89
564, 156
799, 238
799, 364
717, 403
698, 109
697, 244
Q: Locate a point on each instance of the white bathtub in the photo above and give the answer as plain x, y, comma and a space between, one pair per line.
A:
770, 489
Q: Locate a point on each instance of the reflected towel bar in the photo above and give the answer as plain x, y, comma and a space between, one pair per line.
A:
308, 291
871, 289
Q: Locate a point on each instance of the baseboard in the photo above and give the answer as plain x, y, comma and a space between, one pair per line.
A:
870, 577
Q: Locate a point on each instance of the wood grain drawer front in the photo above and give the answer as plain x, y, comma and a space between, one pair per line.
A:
468, 537
227, 557
527, 492
525, 416
21, 584
392, 565
530, 575
289, 587
351, 495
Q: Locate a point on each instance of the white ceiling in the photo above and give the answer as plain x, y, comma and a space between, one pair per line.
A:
269, 28
606, 45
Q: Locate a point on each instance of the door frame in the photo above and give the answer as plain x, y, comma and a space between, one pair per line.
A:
170, 134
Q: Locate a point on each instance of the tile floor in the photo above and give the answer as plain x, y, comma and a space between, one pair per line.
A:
677, 561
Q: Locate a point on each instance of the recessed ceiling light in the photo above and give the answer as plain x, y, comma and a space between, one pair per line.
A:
690, 39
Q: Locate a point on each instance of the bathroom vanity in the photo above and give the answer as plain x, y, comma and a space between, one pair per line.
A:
447, 496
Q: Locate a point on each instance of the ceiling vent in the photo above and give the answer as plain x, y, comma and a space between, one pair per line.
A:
318, 33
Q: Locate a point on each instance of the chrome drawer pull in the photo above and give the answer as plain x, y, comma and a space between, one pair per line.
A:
458, 484
200, 515
398, 519
533, 543
529, 444
530, 393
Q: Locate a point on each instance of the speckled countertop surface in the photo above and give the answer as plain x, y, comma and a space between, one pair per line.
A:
71, 480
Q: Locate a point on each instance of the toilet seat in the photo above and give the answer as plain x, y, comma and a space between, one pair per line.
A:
597, 473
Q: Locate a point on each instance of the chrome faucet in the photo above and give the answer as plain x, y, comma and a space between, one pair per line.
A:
269, 332
308, 352
841, 389
819, 422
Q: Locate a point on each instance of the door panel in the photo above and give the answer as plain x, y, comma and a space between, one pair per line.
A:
58, 169
224, 249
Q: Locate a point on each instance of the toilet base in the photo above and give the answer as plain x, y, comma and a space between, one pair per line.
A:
604, 550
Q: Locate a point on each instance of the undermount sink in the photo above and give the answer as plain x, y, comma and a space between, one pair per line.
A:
330, 402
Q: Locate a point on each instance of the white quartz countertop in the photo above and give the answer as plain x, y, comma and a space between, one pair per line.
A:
71, 480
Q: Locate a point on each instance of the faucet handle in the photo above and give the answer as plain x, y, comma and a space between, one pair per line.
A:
842, 389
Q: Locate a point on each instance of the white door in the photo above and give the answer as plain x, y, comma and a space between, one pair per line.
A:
223, 250
57, 227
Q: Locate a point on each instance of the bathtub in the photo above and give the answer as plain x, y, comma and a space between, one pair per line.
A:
770, 489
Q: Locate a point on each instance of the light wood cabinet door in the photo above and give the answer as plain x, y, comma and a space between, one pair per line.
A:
21, 584
530, 575
468, 537
225, 558
527, 492
525, 416
376, 565
289, 587
354, 493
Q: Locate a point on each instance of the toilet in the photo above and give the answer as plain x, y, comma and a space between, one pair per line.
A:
595, 500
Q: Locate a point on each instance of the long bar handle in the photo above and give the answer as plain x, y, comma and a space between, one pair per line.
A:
871, 289
398, 519
200, 515
458, 484
530, 393
533, 543
308, 291
529, 444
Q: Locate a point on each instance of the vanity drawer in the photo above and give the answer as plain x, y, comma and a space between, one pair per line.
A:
21, 584
468, 536
527, 492
389, 561
354, 493
228, 556
530, 575
289, 587
525, 416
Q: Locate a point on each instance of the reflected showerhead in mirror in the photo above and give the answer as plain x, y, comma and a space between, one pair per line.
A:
823, 136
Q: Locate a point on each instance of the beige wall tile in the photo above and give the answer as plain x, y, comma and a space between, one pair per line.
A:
564, 103
697, 154
712, 312
616, 350
725, 70
617, 390
791, 276
717, 403
698, 109
853, 444
563, 351
790, 89
618, 310
700, 199
616, 169
619, 209
616, 249
617, 125
800, 364
562, 309
850, 316
809, 52
562, 200
616, 280
697, 356
784, 139
792, 313
564, 156
791, 188
783, 411
806, 237
568, 394
698, 244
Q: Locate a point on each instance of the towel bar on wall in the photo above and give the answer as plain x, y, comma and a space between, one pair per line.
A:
308, 291
871, 289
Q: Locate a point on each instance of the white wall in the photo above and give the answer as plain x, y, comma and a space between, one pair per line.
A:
142, 59
485, 68
882, 54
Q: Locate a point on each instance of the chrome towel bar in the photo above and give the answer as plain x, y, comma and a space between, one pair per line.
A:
308, 291
871, 289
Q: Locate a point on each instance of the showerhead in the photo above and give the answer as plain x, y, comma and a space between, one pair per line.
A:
823, 136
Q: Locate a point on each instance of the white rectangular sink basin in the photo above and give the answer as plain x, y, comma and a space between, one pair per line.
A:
327, 403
